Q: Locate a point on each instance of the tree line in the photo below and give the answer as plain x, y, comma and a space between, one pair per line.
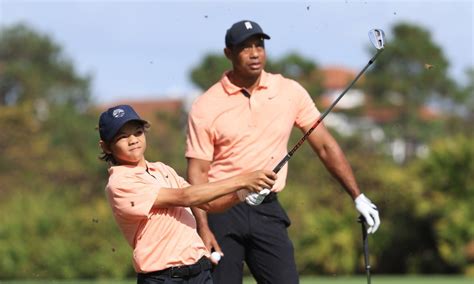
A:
55, 222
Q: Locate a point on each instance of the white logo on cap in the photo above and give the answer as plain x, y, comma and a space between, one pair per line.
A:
248, 25
117, 113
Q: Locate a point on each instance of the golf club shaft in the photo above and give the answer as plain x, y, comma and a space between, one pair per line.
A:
365, 243
322, 116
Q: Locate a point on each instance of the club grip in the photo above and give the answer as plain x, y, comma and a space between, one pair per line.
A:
281, 163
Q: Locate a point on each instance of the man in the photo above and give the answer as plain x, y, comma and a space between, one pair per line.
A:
242, 123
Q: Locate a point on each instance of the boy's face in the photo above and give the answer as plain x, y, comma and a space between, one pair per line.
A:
129, 145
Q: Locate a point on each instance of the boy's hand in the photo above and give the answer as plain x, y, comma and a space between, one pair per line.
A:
260, 180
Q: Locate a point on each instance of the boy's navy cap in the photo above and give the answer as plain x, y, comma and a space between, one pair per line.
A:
114, 118
241, 31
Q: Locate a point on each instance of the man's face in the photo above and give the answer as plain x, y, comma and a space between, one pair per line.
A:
129, 145
248, 58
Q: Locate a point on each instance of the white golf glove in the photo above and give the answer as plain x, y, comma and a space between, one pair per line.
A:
369, 211
253, 198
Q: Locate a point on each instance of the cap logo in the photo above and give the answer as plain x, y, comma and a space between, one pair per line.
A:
248, 25
117, 113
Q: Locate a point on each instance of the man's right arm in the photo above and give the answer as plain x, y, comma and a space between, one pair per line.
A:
197, 173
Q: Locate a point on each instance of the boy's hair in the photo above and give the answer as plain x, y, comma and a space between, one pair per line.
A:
109, 158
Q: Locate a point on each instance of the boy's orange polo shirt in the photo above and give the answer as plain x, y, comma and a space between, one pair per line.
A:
160, 237
239, 134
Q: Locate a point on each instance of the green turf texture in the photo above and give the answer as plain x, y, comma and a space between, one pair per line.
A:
376, 279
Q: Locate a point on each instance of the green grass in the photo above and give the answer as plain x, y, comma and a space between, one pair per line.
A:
376, 279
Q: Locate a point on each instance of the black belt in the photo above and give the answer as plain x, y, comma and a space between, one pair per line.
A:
183, 271
270, 198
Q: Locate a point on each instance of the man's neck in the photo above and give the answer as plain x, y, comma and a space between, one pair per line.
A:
248, 83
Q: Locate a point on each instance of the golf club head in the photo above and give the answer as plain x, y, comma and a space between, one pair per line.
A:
377, 38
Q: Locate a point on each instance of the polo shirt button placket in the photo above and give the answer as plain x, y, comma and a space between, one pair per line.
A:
252, 108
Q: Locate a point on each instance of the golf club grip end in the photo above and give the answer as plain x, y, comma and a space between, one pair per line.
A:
281, 163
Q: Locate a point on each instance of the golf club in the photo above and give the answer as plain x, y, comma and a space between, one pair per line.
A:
365, 244
377, 38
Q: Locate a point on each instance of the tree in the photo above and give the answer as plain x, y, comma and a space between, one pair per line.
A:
412, 66
34, 70
51, 180
42, 95
301, 69
209, 71
292, 65
447, 198
467, 96
412, 71
470, 86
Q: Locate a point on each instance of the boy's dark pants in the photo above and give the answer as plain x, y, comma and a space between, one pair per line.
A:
199, 273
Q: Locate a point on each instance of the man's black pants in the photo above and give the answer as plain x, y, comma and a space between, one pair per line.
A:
257, 235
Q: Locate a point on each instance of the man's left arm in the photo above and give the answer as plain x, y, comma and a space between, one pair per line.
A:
333, 158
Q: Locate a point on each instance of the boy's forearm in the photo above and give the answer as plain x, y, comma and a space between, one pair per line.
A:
204, 193
200, 194
197, 173
221, 204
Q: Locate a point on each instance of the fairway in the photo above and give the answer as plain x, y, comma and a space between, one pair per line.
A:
382, 280
304, 280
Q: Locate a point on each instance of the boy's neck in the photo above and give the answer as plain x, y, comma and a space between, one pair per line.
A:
141, 163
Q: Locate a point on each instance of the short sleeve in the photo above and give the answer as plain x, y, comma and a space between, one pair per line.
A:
180, 181
199, 138
132, 197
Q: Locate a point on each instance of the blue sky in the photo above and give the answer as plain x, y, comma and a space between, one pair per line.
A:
146, 49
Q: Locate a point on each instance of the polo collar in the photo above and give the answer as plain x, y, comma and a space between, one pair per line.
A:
232, 89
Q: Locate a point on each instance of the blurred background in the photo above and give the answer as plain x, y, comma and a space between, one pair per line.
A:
406, 126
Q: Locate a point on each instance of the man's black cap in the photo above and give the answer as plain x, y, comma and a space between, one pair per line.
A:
241, 31
114, 118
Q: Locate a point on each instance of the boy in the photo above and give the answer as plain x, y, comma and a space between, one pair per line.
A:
150, 202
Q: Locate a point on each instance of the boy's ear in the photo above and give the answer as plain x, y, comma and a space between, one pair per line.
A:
228, 53
105, 147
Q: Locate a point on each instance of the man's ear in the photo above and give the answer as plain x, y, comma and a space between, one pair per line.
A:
105, 147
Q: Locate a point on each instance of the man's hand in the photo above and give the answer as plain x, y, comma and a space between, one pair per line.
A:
253, 198
209, 241
369, 211
257, 198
